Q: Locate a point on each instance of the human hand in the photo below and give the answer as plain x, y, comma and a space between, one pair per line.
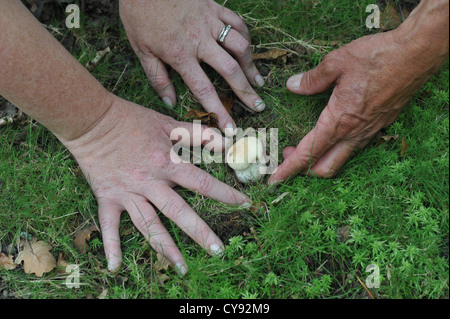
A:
375, 77
183, 34
126, 159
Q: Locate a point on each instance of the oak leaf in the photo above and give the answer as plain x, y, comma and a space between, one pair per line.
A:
210, 119
6, 262
82, 236
36, 258
161, 263
271, 54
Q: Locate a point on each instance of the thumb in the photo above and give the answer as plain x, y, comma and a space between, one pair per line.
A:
316, 80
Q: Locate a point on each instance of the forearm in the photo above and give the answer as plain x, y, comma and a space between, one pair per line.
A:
39, 76
428, 28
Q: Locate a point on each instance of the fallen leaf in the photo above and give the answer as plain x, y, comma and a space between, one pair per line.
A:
161, 263
271, 54
257, 208
36, 258
62, 264
82, 236
162, 278
210, 119
404, 149
386, 138
227, 102
7, 262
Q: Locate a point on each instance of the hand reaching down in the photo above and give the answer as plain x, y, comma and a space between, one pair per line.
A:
126, 159
185, 33
375, 77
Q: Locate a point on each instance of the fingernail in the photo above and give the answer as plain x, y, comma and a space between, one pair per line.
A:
259, 80
113, 265
215, 250
295, 81
245, 205
260, 105
167, 101
181, 269
230, 129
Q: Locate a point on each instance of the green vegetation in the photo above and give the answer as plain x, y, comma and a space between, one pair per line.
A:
384, 208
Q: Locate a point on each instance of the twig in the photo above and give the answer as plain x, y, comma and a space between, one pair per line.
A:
362, 284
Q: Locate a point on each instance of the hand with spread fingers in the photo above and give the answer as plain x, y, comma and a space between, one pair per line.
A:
185, 33
138, 178
124, 150
375, 77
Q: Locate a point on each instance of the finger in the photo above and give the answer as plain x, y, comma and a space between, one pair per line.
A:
309, 150
240, 48
176, 209
231, 71
229, 17
197, 180
109, 219
196, 135
146, 220
159, 78
330, 163
316, 80
288, 151
197, 81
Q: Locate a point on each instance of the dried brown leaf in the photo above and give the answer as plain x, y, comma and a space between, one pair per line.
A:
7, 262
161, 263
62, 264
82, 236
210, 119
386, 138
36, 258
271, 54
404, 150
227, 102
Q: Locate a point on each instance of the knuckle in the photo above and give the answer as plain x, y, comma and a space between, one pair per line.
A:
240, 24
242, 48
160, 159
231, 68
325, 172
177, 54
158, 80
205, 184
106, 224
347, 125
143, 224
204, 90
173, 209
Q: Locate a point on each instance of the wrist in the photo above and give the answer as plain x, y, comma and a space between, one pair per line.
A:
100, 132
84, 119
426, 29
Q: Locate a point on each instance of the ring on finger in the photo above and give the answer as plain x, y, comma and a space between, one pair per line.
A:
223, 34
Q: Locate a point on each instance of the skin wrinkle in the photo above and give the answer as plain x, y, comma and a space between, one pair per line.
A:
375, 77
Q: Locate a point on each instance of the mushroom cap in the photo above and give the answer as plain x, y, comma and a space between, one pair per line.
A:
244, 153
251, 174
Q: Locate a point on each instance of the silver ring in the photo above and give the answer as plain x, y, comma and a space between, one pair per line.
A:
224, 34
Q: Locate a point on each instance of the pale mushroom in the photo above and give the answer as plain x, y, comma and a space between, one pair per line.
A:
246, 158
